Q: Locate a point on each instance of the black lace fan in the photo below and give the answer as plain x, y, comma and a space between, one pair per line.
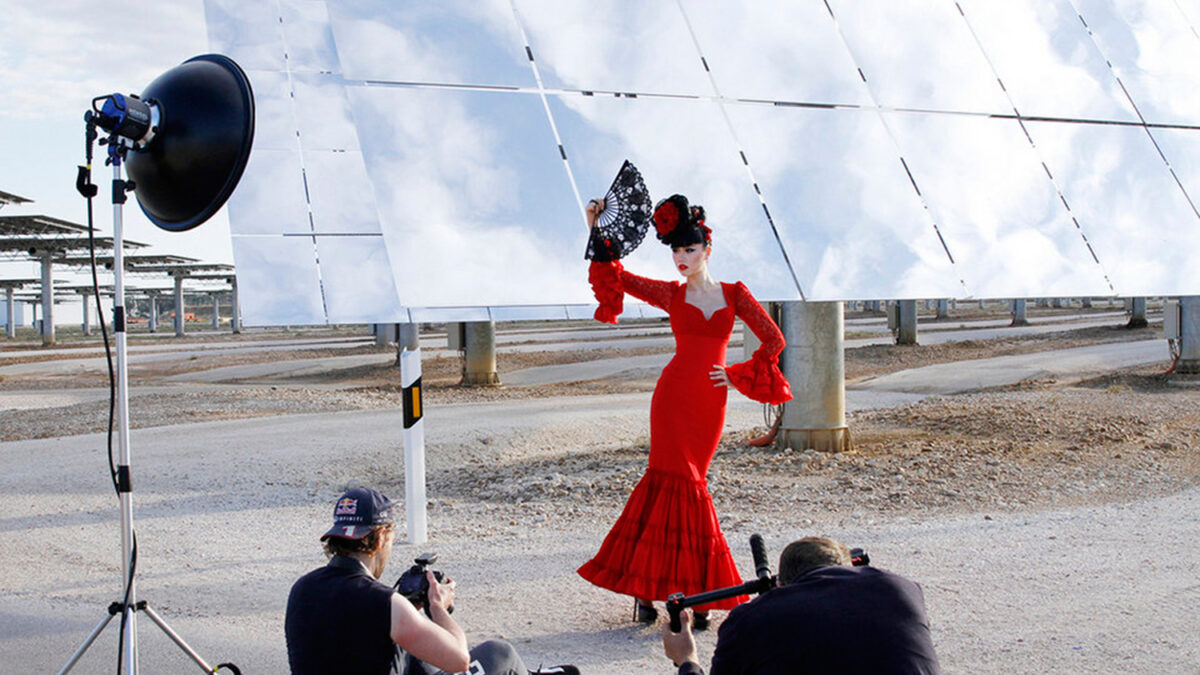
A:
622, 224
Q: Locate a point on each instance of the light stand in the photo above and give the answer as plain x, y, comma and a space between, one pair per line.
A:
129, 606
191, 131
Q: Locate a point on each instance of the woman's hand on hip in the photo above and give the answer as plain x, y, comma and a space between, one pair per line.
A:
719, 377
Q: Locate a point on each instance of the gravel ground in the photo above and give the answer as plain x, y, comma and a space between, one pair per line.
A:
1067, 491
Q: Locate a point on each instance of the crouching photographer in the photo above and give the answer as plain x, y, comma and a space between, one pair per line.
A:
342, 619
826, 616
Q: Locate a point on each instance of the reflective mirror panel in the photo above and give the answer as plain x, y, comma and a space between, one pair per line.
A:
798, 54
323, 114
1138, 220
996, 207
274, 114
618, 45
450, 41
473, 196
247, 32
369, 294
270, 198
918, 54
1048, 63
343, 201
278, 282
851, 221
1153, 47
422, 123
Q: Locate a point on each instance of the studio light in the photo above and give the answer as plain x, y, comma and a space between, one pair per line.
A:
190, 132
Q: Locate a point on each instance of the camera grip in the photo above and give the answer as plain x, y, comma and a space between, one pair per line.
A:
674, 609
759, 551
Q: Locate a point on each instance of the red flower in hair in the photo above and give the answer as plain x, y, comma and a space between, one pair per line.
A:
666, 218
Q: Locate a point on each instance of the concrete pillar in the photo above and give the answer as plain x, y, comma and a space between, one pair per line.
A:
1137, 313
1189, 335
216, 310
1086, 303
907, 332
384, 333
179, 322
943, 308
10, 323
87, 319
1018, 313
479, 361
235, 317
981, 303
47, 299
408, 336
814, 366
152, 320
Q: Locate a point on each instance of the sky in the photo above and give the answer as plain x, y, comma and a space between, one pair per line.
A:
878, 139
54, 58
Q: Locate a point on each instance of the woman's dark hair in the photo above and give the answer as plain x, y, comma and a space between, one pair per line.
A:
368, 544
677, 224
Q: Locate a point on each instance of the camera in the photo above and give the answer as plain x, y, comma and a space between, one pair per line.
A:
414, 585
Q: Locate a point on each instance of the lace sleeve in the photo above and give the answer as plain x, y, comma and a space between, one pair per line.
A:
651, 291
759, 378
610, 282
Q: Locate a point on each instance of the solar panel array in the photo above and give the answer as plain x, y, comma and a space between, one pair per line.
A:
430, 161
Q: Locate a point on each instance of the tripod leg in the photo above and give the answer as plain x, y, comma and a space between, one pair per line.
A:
86, 643
175, 637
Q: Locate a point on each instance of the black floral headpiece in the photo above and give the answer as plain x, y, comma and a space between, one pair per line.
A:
678, 224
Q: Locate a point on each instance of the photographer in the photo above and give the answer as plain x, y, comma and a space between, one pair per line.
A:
825, 617
342, 619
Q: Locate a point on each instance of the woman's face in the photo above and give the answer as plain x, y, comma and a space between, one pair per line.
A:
690, 259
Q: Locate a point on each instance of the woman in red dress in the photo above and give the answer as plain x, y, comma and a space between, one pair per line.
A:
667, 539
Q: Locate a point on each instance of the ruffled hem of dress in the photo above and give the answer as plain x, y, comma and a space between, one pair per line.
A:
666, 540
605, 278
760, 379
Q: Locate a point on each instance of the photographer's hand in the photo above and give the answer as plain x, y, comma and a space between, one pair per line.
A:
441, 594
680, 647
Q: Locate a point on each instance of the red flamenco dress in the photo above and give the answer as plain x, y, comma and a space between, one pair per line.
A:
667, 539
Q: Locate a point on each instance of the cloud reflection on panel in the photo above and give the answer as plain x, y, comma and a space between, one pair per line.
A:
919, 54
1138, 219
852, 224
797, 54
680, 147
1050, 66
996, 208
621, 45
473, 197
452, 41
1154, 49
247, 32
270, 197
278, 284
358, 282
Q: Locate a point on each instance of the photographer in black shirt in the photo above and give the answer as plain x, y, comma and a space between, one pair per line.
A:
342, 619
825, 617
